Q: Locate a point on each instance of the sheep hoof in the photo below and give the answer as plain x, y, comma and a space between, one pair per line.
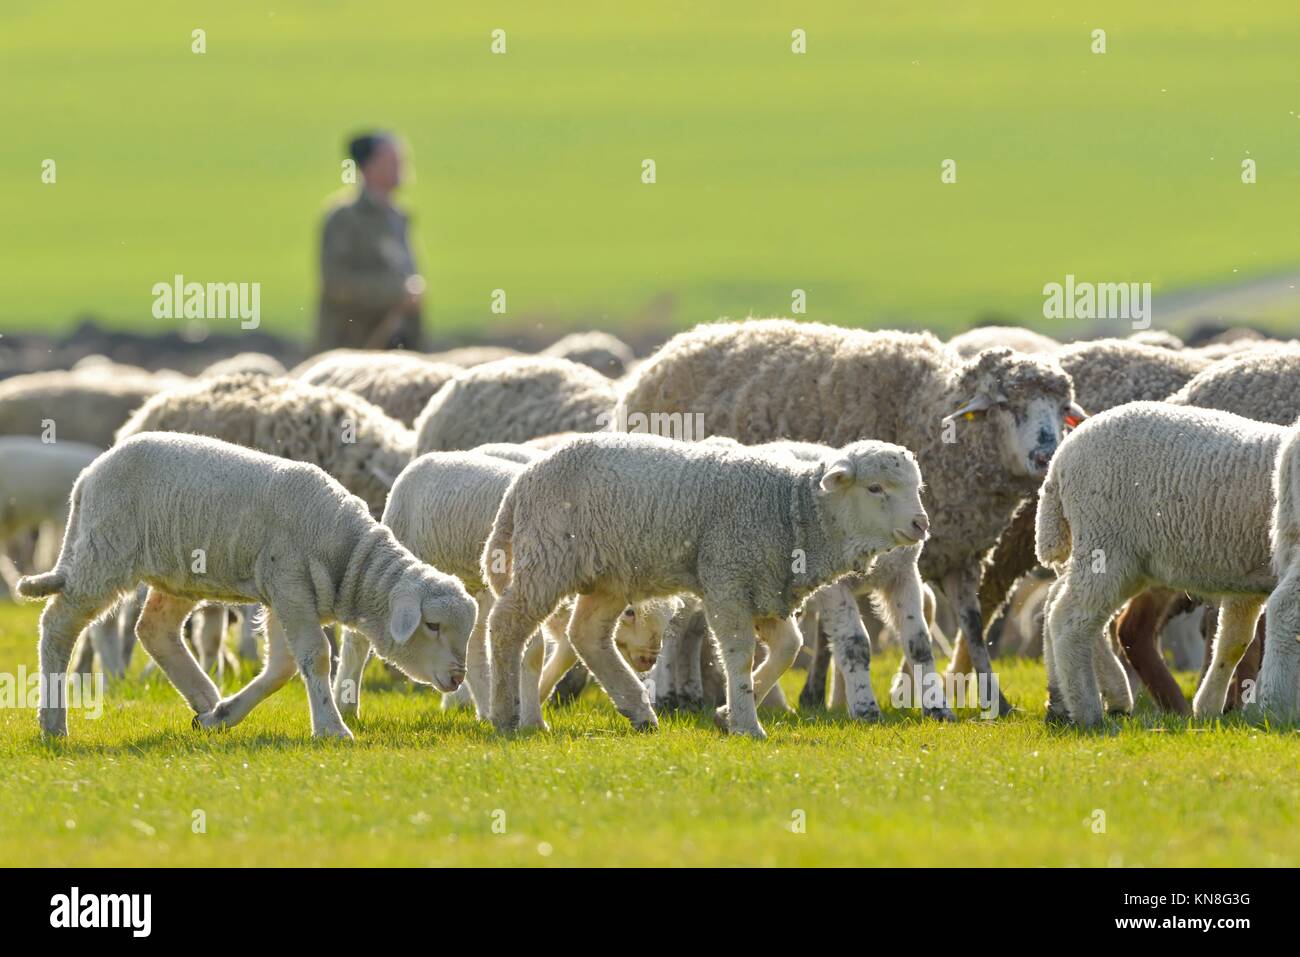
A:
939, 714
649, 726
720, 719
1056, 717
869, 714
340, 733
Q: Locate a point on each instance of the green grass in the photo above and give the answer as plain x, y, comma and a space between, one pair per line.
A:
420, 786
775, 171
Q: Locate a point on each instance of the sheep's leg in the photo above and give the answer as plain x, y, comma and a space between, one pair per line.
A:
591, 632
353, 656
209, 630
65, 617
1139, 632
813, 694
1056, 710
515, 615
1080, 611
690, 684
311, 650
561, 658
1246, 676
530, 676
128, 612
1279, 673
84, 659
102, 638
247, 645
734, 633
1111, 674
667, 679
900, 600
850, 645
783, 643
961, 587
159, 631
477, 686
275, 674
837, 698
1237, 616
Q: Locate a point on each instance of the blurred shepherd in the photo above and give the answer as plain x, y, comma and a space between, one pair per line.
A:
371, 291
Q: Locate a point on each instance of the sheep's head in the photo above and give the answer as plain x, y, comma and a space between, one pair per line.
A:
426, 629
1027, 402
640, 631
871, 497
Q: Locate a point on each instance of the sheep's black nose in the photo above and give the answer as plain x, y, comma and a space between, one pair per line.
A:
1042, 458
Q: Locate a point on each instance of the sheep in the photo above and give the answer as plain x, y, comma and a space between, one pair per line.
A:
619, 518
84, 406
36, 479
442, 508
982, 429
1279, 673
608, 355
894, 586
400, 383
513, 400
256, 363
1151, 494
1160, 338
974, 341
467, 357
1106, 373
198, 519
351, 439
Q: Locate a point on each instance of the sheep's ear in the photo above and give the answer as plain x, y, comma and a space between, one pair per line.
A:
403, 617
1074, 415
977, 405
837, 478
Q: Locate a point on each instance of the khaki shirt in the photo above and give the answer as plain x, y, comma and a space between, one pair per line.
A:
365, 259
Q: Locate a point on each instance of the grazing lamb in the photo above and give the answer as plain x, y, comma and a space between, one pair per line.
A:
608, 355
200, 519
84, 406
983, 430
619, 518
351, 439
442, 508
1153, 495
513, 400
400, 383
974, 341
1279, 674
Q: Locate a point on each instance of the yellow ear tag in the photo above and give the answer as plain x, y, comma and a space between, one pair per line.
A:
968, 416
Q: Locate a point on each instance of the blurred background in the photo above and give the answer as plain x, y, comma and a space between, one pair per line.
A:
775, 171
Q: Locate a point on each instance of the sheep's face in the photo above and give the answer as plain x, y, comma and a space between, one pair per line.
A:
1025, 402
639, 635
427, 630
871, 493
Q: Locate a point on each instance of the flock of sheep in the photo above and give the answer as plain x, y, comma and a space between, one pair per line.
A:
473, 518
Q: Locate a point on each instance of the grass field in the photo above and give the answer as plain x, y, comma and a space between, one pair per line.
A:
775, 171
420, 787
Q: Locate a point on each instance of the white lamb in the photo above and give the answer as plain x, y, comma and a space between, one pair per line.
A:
618, 518
199, 519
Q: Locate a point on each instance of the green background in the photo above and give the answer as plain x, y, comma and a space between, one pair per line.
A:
775, 171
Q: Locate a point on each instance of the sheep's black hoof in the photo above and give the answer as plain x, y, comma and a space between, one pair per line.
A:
1058, 718
939, 714
720, 719
194, 722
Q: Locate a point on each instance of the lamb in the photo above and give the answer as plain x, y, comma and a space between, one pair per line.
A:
442, 508
256, 363
400, 383
1149, 495
983, 430
198, 519
974, 341
608, 355
348, 437
513, 400
1279, 674
84, 406
750, 535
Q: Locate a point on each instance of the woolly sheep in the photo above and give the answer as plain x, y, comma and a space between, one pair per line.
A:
442, 508
400, 383
974, 341
256, 363
348, 437
72, 406
513, 400
36, 480
608, 355
1164, 496
467, 357
1279, 674
282, 534
982, 429
750, 535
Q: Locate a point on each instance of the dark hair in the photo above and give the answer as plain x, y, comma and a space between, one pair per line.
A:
361, 148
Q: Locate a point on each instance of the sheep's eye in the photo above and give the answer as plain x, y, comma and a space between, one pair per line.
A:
875, 489
433, 626
629, 613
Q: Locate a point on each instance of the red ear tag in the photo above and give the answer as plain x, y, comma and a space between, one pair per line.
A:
1073, 421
